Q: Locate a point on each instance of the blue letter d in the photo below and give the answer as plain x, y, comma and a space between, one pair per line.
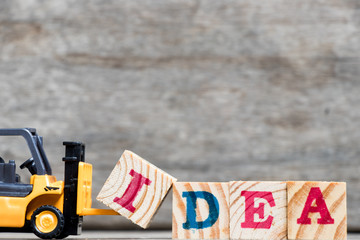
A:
191, 210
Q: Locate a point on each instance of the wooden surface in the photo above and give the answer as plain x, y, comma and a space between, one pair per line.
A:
275, 208
334, 195
136, 197
219, 230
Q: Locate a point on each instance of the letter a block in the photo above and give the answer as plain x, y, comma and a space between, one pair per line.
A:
200, 210
135, 188
316, 210
258, 210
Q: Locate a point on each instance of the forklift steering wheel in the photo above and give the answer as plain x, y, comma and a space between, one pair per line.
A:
30, 165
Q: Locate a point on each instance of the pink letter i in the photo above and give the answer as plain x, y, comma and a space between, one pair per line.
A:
132, 190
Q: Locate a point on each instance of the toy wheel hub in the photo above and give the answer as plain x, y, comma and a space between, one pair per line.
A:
46, 221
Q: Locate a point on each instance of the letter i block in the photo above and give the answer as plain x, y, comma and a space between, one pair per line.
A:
200, 210
135, 188
317, 210
258, 210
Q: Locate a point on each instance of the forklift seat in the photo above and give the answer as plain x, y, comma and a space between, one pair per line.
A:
9, 181
7, 172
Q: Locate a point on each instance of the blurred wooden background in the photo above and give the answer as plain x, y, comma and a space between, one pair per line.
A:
205, 90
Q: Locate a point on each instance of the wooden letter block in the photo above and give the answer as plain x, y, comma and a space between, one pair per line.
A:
258, 210
200, 210
135, 188
316, 210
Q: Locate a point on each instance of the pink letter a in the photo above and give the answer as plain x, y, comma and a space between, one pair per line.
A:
315, 194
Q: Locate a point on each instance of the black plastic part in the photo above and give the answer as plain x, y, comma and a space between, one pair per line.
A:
59, 228
35, 144
17, 178
62, 235
39, 143
7, 172
15, 189
30, 165
74, 153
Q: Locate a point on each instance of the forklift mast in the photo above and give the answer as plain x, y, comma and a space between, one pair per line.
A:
74, 153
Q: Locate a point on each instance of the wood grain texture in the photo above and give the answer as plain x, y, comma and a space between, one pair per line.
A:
219, 230
334, 195
278, 212
147, 197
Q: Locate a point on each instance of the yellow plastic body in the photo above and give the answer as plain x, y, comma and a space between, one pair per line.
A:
83, 207
48, 191
14, 210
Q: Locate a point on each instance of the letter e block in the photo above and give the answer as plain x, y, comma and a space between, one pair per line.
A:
135, 188
200, 210
258, 210
317, 210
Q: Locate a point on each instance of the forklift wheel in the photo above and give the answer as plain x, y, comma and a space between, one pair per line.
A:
47, 222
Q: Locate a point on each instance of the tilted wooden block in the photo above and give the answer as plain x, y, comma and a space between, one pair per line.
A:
200, 210
317, 210
135, 188
258, 210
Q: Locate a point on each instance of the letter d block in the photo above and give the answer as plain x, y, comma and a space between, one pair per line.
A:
135, 188
316, 210
200, 210
258, 210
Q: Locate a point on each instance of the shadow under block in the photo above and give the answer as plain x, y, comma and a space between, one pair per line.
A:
317, 210
200, 210
135, 188
258, 210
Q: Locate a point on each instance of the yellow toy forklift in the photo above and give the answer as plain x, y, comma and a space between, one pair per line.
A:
46, 207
